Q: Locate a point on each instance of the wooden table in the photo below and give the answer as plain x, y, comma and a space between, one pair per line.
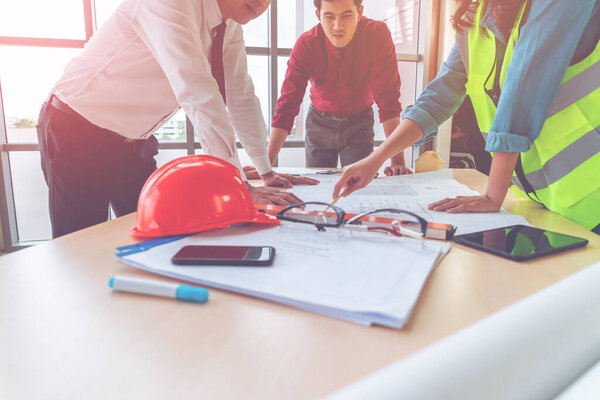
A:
65, 335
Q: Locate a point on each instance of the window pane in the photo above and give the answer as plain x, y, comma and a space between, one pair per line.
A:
256, 32
164, 156
401, 17
309, 18
281, 70
173, 130
30, 196
58, 19
27, 75
104, 9
290, 21
291, 157
408, 77
258, 69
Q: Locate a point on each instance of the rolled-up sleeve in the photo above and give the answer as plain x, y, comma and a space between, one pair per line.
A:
440, 98
541, 56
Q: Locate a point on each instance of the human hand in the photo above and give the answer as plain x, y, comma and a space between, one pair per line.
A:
460, 204
251, 172
286, 180
267, 195
355, 176
397, 169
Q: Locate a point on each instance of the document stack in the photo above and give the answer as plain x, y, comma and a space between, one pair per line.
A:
366, 278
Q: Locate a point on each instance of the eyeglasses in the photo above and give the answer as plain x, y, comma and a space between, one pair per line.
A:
323, 215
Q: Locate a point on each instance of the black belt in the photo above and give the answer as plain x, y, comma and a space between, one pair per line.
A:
56, 103
340, 117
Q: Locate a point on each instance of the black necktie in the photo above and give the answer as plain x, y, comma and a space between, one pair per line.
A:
216, 58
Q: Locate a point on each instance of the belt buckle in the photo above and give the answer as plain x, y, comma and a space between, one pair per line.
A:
336, 118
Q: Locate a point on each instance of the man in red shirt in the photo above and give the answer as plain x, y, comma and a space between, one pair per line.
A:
350, 60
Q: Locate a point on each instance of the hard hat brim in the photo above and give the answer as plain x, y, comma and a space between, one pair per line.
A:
260, 218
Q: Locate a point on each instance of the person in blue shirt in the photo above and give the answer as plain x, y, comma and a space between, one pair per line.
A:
554, 35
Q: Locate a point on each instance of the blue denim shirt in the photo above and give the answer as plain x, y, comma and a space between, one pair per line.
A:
557, 34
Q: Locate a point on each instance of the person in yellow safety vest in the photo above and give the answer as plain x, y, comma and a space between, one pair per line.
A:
532, 71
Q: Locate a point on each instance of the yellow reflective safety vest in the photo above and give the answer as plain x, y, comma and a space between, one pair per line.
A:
562, 167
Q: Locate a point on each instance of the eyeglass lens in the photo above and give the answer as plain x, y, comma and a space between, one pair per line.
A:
312, 213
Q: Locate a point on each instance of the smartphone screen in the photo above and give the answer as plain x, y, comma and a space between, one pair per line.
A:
520, 242
225, 255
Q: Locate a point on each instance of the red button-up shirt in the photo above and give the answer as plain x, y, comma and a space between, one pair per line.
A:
343, 81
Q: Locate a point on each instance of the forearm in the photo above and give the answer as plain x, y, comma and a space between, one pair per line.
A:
503, 165
405, 134
388, 128
276, 140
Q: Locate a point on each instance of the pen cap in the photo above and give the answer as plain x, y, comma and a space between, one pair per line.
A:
192, 194
191, 293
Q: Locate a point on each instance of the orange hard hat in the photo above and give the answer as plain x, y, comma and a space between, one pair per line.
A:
192, 194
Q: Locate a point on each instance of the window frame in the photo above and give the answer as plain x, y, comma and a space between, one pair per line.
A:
9, 228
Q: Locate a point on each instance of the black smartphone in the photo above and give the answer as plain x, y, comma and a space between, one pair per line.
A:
225, 255
520, 242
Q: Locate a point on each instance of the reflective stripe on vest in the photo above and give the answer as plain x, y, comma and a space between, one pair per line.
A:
564, 162
576, 88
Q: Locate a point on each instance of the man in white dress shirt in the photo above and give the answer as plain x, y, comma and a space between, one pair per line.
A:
149, 59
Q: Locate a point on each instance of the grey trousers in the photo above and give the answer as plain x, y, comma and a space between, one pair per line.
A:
328, 137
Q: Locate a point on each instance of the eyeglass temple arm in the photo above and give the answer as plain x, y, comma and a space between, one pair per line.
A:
408, 232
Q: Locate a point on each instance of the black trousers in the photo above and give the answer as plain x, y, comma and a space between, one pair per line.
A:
88, 168
328, 137
596, 230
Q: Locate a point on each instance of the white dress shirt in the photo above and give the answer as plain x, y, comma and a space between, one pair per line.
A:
152, 57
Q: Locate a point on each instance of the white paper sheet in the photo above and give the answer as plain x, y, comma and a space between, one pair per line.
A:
586, 387
363, 277
411, 193
295, 170
530, 350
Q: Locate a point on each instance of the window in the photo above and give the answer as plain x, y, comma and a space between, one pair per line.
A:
104, 9
256, 32
25, 85
258, 69
29, 19
36, 47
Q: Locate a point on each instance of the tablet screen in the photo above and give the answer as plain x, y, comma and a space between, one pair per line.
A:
520, 242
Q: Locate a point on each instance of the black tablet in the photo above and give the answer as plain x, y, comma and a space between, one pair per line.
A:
520, 242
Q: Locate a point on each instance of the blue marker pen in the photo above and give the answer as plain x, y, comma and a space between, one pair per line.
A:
157, 288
